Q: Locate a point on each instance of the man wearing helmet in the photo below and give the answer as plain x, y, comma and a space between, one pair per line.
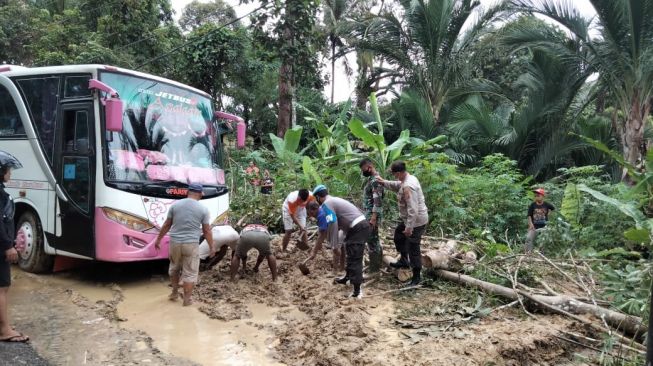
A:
8, 254
333, 214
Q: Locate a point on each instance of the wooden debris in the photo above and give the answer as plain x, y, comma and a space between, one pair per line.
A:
561, 304
402, 274
439, 258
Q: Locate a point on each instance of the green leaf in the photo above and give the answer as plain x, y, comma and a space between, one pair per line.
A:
309, 170
638, 235
397, 146
291, 139
368, 137
613, 154
571, 204
628, 208
278, 145
375, 111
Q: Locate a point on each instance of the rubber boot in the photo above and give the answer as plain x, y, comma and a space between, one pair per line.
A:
357, 293
401, 263
417, 276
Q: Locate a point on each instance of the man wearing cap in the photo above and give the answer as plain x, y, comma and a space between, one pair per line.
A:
187, 220
414, 216
538, 215
335, 213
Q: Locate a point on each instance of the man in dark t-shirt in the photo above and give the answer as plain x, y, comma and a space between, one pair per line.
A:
538, 215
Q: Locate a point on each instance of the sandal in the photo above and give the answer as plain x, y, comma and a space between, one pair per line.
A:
19, 338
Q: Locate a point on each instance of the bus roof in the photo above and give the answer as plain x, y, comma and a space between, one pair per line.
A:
90, 68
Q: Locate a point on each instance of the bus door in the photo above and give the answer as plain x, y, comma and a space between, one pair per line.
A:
75, 172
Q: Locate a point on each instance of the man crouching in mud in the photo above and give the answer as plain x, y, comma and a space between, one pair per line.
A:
254, 236
185, 218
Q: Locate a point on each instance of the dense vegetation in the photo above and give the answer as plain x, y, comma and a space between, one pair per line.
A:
483, 103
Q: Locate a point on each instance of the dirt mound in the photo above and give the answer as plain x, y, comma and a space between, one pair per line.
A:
336, 330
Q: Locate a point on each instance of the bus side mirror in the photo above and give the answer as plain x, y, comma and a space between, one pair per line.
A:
113, 114
112, 105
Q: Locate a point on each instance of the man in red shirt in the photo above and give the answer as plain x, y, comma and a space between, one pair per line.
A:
294, 213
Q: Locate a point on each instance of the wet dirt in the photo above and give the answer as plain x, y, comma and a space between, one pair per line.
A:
336, 330
120, 315
67, 329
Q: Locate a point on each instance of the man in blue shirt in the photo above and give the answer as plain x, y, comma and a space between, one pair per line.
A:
338, 213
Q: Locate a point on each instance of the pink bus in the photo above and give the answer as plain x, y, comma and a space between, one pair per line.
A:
105, 152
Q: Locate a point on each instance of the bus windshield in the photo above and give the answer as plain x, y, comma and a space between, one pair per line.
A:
168, 134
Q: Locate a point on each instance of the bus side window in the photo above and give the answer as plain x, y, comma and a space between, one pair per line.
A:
42, 97
76, 87
10, 122
75, 131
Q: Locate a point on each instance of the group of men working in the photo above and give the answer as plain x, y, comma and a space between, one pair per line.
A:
346, 228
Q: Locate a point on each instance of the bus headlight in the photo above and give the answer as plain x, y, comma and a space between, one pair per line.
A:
222, 219
133, 222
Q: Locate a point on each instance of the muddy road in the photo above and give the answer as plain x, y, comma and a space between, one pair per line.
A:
108, 314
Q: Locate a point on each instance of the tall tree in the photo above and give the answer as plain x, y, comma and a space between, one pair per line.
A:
198, 13
211, 62
427, 48
334, 21
536, 134
20, 25
141, 29
293, 38
619, 46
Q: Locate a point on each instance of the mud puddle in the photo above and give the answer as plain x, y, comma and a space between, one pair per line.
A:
189, 333
103, 316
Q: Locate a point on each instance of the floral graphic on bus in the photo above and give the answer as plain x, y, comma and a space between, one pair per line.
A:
157, 209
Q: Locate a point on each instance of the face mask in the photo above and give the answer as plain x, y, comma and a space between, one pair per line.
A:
367, 173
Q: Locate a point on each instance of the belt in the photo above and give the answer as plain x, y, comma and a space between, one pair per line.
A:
357, 221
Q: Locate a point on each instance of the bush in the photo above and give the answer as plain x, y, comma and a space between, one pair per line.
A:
594, 224
485, 203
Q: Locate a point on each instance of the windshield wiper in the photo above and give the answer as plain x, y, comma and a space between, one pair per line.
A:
164, 182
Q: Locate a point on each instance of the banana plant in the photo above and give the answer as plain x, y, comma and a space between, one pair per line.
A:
381, 153
286, 148
643, 183
333, 140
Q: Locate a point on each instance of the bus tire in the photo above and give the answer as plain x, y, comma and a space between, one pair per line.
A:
33, 259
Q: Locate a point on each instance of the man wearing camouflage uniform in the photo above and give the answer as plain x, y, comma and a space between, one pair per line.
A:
373, 209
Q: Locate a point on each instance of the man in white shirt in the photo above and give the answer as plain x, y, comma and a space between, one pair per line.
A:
414, 216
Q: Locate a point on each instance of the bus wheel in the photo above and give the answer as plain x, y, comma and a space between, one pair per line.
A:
33, 259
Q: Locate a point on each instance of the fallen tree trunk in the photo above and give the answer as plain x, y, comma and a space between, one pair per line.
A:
626, 323
439, 258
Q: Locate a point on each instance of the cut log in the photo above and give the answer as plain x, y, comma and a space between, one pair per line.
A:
402, 274
626, 323
439, 258
469, 258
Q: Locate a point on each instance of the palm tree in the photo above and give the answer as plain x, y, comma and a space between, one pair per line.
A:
536, 134
427, 48
334, 18
618, 44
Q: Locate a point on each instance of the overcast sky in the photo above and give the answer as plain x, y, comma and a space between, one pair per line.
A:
345, 86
